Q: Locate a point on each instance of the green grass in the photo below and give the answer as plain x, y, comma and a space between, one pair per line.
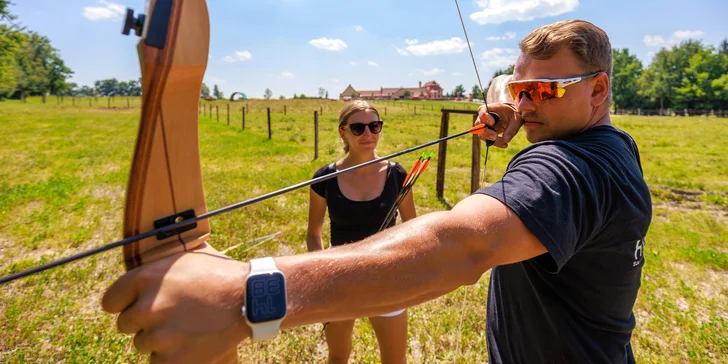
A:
62, 188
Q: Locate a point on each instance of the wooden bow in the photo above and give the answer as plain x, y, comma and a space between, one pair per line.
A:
165, 184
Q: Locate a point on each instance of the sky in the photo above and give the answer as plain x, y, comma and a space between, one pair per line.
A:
297, 46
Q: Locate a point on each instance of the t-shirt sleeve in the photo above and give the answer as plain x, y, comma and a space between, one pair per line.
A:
556, 196
320, 187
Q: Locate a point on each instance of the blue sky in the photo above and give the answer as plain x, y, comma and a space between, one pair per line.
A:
297, 46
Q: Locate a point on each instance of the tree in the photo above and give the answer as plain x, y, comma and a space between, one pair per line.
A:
627, 70
723, 49
295, 96
327, 94
204, 91
217, 93
459, 91
321, 92
406, 94
4, 13
476, 92
267, 94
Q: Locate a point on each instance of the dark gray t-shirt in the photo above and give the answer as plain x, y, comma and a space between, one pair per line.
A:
586, 200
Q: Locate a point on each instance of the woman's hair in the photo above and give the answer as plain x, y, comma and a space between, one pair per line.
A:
350, 109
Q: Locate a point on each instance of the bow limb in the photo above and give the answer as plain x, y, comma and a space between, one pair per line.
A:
165, 183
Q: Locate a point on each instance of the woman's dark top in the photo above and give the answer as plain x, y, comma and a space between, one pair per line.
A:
352, 221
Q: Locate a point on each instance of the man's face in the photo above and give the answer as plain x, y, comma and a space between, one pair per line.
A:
557, 118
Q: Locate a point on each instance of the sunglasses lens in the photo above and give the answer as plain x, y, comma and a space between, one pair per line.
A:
357, 128
375, 127
536, 91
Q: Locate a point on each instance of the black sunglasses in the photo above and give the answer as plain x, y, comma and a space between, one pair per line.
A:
358, 128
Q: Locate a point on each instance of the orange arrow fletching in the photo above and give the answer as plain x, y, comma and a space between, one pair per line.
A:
478, 129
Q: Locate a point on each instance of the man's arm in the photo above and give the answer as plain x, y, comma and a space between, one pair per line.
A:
186, 307
405, 265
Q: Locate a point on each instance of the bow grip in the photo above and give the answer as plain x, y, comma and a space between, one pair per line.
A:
497, 120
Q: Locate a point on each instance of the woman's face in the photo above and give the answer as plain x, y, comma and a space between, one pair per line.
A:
367, 140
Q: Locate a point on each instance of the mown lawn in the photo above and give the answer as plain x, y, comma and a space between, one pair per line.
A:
64, 173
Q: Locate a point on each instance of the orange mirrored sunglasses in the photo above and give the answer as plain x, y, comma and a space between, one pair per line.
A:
541, 89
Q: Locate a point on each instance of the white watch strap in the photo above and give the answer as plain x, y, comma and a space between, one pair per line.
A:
260, 265
268, 330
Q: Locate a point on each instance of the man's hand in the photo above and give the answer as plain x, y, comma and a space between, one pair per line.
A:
510, 123
185, 308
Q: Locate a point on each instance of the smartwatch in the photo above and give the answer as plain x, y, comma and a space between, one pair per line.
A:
265, 299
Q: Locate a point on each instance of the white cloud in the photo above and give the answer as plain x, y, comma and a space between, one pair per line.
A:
358, 28
214, 80
457, 74
110, 10
431, 72
372, 63
508, 35
239, 56
501, 11
352, 63
328, 44
286, 74
677, 37
499, 57
437, 47
334, 80
411, 41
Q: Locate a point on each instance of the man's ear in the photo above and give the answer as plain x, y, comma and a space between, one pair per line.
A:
600, 89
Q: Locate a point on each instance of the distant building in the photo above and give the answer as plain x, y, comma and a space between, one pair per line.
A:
429, 91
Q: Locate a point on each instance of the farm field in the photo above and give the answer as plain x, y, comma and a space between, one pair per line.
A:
64, 169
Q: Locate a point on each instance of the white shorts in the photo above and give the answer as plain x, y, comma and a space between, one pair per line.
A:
392, 314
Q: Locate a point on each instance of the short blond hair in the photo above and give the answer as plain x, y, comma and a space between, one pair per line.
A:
350, 109
589, 43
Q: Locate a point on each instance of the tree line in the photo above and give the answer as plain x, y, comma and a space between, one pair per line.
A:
689, 75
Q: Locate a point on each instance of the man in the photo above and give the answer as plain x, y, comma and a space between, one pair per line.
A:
563, 232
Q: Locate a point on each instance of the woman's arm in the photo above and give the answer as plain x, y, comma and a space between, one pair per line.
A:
316, 214
407, 207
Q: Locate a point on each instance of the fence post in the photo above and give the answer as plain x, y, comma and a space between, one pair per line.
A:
228, 114
217, 112
128, 106
441, 154
475, 162
89, 102
284, 109
385, 111
243, 117
315, 135
415, 110
269, 136
322, 110
108, 102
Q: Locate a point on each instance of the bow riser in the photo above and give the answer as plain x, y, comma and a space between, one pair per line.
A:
166, 176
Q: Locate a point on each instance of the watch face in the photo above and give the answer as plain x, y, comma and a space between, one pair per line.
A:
265, 297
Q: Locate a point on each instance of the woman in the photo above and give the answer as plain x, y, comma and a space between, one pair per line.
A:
358, 202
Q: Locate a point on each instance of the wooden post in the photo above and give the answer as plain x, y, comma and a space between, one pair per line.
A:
108, 102
128, 106
89, 102
322, 110
284, 109
243, 117
217, 112
228, 114
269, 136
475, 164
385, 111
415, 110
315, 135
247, 108
441, 154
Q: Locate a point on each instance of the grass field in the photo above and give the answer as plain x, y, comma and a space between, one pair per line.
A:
62, 188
